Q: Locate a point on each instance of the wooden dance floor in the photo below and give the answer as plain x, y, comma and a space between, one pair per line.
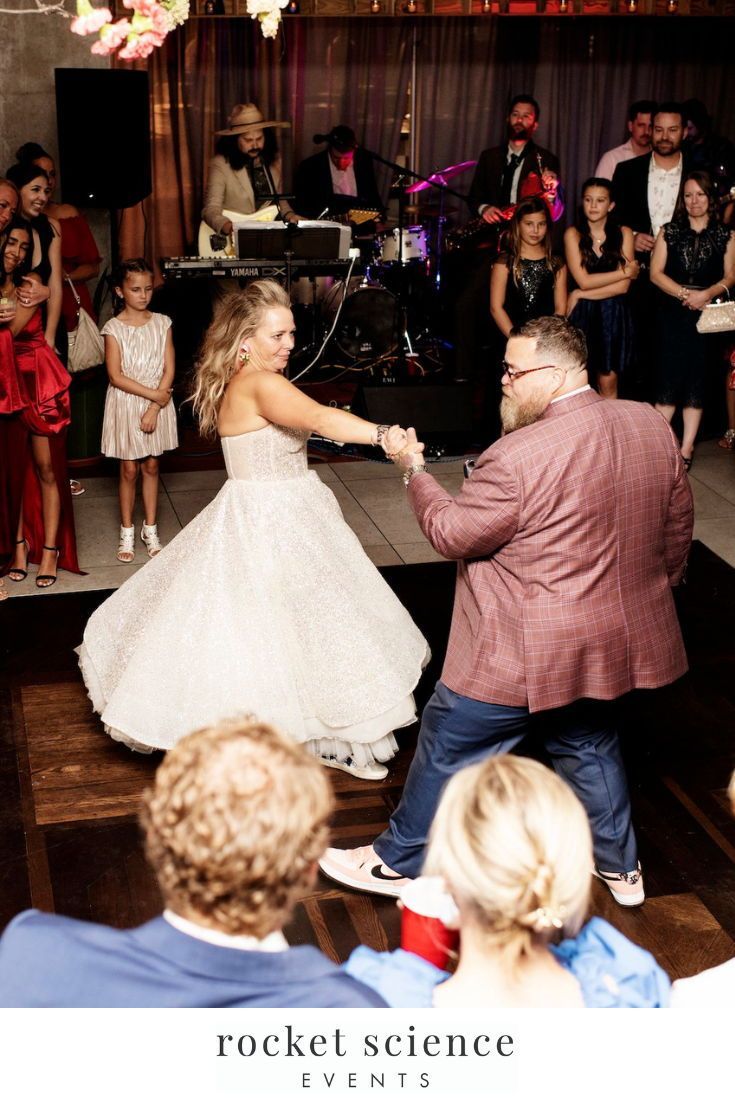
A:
68, 794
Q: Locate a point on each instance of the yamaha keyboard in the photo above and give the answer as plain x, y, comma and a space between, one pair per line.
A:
187, 267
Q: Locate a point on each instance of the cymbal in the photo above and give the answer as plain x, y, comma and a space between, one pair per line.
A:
441, 176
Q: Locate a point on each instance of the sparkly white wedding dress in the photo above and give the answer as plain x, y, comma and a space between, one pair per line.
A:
264, 604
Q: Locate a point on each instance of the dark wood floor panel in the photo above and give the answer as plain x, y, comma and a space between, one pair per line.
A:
98, 873
77, 771
69, 795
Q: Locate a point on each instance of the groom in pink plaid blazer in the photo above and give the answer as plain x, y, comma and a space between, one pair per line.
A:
569, 535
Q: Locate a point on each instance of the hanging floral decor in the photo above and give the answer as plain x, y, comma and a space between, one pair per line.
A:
269, 14
151, 20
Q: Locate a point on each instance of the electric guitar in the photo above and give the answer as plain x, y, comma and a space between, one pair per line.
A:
221, 245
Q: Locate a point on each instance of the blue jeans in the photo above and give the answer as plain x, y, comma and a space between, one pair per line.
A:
457, 731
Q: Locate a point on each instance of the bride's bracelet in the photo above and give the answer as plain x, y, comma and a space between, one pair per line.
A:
378, 435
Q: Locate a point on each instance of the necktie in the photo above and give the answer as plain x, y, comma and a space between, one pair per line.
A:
506, 182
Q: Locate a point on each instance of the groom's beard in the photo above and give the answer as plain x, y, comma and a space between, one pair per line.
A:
517, 415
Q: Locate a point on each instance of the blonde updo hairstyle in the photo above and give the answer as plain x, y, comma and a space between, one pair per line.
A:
236, 318
234, 824
513, 844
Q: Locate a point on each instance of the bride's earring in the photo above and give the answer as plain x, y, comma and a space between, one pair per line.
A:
244, 355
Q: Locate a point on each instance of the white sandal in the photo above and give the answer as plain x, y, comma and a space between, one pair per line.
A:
126, 546
149, 536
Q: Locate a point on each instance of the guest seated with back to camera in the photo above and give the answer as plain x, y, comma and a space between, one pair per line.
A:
512, 844
234, 824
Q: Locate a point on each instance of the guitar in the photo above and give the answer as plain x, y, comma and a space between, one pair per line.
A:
222, 245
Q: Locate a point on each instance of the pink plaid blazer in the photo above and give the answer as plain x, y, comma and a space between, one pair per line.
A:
570, 534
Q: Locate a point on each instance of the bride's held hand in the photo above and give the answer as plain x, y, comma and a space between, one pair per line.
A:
394, 440
411, 451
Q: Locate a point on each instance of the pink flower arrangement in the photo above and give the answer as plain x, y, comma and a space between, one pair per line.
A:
151, 21
89, 20
111, 37
132, 38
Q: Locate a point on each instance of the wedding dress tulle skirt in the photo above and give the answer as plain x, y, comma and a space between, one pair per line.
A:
264, 604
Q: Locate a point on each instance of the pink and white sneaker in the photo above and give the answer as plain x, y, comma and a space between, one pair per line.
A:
362, 870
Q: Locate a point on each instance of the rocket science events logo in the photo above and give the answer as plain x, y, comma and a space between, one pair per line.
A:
377, 1059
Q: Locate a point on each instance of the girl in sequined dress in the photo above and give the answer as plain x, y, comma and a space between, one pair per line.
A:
271, 602
527, 281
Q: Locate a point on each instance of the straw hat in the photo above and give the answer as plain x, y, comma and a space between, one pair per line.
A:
245, 117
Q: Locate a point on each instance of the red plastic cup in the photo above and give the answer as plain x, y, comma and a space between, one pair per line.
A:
429, 917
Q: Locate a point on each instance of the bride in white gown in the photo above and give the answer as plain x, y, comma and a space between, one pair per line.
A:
265, 603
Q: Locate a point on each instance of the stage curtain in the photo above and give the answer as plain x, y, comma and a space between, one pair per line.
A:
583, 72
315, 74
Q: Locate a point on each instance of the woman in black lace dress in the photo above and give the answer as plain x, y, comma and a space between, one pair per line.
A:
599, 254
693, 262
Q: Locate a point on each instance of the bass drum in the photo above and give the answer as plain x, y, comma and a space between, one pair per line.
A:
369, 325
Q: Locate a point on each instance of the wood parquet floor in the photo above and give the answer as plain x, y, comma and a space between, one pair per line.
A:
69, 840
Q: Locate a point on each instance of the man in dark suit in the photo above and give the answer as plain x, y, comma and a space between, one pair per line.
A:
504, 174
503, 171
339, 178
234, 825
646, 191
569, 534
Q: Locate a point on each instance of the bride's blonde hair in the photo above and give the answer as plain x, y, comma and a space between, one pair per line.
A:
235, 319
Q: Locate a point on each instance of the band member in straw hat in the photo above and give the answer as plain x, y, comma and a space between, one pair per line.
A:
246, 170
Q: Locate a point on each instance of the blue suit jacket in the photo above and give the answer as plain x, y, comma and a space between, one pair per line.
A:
48, 960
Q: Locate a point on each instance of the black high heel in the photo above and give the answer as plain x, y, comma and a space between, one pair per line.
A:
16, 569
48, 578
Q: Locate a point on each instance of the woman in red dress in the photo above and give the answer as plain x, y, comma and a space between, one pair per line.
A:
80, 257
12, 401
45, 530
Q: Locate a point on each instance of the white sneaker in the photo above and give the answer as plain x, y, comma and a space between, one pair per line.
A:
362, 870
149, 536
373, 771
126, 546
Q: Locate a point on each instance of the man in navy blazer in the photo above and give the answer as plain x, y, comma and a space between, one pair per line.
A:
234, 825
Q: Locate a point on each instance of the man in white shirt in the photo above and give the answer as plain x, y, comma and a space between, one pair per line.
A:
640, 127
647, 188
646, 192
338, 179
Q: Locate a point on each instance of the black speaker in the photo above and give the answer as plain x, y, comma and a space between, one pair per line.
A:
431, 409
103, 124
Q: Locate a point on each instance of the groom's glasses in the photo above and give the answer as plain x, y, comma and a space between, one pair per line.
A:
513, 374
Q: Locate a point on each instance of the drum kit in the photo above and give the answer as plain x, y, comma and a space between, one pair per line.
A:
386, 317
